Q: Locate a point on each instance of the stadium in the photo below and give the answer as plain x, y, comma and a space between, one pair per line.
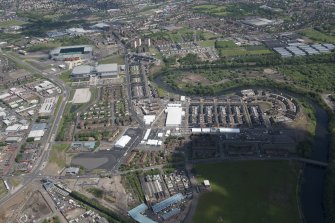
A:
70, 53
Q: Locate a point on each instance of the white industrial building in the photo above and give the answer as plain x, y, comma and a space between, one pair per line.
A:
47, 106
37, 131
123, 141
101, 71
16, 128
175, 114
148, 119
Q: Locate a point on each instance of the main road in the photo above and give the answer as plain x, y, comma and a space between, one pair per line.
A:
47, 145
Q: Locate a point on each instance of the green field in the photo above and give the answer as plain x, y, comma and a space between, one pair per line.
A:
3, 189
58, 155
228, 48
6, 24
318, 36
241, 51
249, 191
214, 10
119, 59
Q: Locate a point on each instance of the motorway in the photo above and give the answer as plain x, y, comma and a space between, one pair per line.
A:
47, 145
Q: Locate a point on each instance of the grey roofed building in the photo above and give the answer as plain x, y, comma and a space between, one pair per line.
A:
39, 126
72, 170
107, 70
102, 71
82, 71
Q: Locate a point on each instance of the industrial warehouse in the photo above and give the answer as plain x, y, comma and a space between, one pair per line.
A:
102, 71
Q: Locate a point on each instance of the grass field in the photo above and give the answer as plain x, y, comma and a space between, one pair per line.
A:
318, 36
6, 24
119, 59
58, 155
215, 10
249, 191
65, 76
3, 189
241, 51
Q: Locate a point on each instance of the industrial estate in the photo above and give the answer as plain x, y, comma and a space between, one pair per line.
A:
167, 111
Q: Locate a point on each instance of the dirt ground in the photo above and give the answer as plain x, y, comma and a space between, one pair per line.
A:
115, 196
195, 79
35, 209
8, 210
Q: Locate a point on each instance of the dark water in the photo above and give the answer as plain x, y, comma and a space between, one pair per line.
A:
313, 183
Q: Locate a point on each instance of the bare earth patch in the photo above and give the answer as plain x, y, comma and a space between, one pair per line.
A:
194, 79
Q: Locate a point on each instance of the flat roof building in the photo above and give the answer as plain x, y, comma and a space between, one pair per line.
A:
174, 115
107, 70
123, 141
81, 72
101, 71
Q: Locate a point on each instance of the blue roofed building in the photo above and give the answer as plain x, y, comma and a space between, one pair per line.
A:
136, 214
167, 203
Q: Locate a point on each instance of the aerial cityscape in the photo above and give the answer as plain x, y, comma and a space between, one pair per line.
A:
167, 111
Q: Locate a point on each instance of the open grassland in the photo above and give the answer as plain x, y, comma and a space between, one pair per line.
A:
228, 48
6, 24
215, 10
119, 59
249, 191
58, 156
241, 51
318, 36
3, 189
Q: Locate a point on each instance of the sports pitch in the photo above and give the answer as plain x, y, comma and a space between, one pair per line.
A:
249, 191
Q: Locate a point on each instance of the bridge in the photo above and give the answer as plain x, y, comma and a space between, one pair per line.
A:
240, 158
310, 161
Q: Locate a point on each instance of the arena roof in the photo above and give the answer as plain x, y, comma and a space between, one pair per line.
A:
72, 49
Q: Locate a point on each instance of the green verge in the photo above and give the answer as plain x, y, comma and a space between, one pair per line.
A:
243, 192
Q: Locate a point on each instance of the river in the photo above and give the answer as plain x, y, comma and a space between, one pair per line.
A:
313, 180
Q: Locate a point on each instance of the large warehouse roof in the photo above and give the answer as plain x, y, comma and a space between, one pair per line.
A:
174, 116
123, 141
82, 69
103, 68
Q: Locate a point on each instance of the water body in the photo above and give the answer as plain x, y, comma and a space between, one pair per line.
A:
313, 184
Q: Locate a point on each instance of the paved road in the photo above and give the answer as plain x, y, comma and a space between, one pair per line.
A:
46, 147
